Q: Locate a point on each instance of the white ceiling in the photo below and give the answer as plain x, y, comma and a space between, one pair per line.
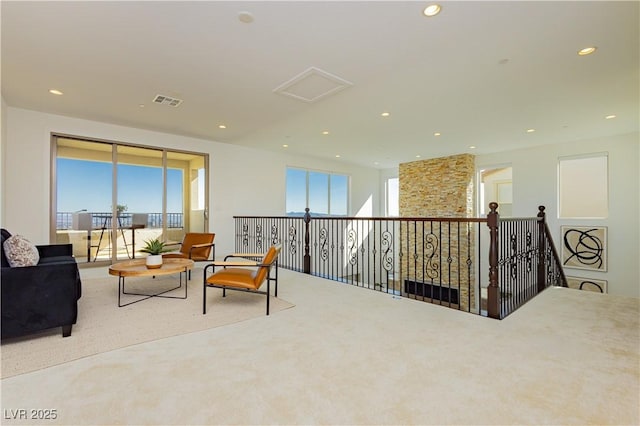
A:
481, 73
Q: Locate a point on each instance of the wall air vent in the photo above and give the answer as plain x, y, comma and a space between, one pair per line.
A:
167, 100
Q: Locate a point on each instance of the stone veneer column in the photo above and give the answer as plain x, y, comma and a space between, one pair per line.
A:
439, 188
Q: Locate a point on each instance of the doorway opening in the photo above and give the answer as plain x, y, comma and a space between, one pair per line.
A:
496, 184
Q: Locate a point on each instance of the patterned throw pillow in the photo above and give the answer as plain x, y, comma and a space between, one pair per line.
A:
20, 252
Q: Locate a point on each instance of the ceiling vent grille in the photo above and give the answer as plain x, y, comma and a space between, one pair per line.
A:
312, 85
167, 100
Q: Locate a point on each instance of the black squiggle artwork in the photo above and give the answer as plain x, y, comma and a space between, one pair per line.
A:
587, 284
590, 283
584, 247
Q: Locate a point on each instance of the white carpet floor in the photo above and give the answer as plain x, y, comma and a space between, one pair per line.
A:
103, 326
345, 355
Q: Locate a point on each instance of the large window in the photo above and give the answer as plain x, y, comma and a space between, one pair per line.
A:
392, 197
322, 192
106, 196
583, 186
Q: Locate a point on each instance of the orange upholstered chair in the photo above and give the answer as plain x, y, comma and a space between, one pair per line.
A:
195, 246
243, 275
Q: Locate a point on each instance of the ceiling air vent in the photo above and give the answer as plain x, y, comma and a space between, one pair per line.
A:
312, 85
167, 100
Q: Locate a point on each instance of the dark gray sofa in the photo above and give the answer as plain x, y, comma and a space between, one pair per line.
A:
36, 298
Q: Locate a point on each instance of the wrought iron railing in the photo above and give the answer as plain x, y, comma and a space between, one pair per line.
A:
256, 233
523, 261
439, 260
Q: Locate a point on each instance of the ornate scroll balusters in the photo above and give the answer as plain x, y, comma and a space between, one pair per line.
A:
352, 239
431, 264
387, 251
548, 259
530, 250
274, 234
307, 256
245, 235
324, 250
513, 256
259, 237
293, 240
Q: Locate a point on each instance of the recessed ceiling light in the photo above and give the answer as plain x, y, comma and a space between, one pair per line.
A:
432, 10
385, 114
55, 92
472, 147
245, 17
609, 117
587, 51
418, 156
531, 130
285, 146
141, 105
222, 126
376, 163
326, 132
437, 134
337, 155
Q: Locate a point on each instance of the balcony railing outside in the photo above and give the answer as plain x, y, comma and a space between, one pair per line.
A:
91, 236
485, 266
64, 220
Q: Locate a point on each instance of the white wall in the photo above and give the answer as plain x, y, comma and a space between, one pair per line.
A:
535, 173
243, 181
3, 139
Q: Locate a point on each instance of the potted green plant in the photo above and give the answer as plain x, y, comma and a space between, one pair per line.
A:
121, 208
154, 248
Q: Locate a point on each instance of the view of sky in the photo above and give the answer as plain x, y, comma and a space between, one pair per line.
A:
324, 188
87, 185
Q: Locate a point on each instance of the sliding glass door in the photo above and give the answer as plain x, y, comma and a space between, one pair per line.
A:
108, 198
140, 198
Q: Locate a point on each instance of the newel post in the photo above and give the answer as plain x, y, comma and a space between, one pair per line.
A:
493, 291
307, 257
542, 249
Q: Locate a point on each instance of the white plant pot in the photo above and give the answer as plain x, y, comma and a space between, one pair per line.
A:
154, 261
